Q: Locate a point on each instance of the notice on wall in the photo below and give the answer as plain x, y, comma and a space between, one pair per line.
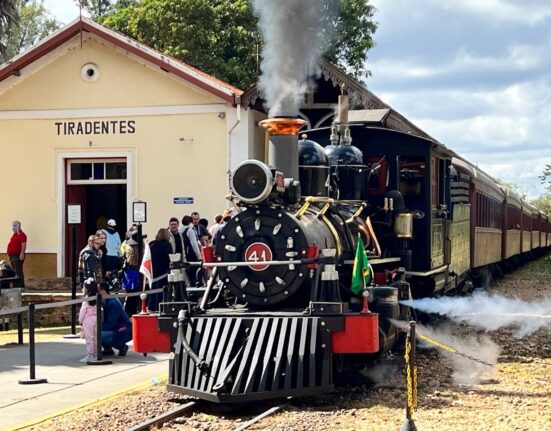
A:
182, 200
73, 214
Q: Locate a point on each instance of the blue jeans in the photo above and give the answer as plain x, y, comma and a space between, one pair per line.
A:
116, 339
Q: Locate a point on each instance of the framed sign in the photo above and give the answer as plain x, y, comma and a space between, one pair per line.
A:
73, 214
139, 212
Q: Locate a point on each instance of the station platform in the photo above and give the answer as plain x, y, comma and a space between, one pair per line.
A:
70, 383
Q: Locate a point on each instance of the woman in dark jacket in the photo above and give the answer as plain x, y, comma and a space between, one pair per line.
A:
160, 262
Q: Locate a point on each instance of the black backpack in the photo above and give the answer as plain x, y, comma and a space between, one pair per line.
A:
188, 249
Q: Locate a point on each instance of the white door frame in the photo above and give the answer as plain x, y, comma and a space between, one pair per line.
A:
61, 184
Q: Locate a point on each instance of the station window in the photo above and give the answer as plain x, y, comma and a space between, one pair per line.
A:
96, 171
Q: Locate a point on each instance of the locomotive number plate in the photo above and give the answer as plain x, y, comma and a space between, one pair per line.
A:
258, 252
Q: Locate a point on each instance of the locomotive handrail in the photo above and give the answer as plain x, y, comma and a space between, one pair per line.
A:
260, 262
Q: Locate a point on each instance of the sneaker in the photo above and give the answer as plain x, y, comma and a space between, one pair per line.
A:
86, 359
108, 352
123, 351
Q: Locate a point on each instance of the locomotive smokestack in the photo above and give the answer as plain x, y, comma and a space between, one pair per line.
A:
283, 133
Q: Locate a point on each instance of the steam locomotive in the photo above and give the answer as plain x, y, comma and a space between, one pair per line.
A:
278, 317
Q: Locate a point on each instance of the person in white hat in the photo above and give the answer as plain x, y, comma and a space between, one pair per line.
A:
113, 246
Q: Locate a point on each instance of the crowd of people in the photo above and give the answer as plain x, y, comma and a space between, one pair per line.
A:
107, 263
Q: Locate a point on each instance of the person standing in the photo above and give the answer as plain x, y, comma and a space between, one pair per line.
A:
87, 317
175, 238
113, 246
200, 229
191, 247
16, 252
89, 261
160, 262
214, 227
131, 274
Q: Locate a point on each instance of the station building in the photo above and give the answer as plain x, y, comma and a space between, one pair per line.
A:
92, 119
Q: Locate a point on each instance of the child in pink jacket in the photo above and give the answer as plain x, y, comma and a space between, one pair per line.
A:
88, 319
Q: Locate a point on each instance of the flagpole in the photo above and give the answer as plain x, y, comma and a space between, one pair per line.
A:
365, 292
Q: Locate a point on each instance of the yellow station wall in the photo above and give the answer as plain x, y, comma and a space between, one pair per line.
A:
171, 155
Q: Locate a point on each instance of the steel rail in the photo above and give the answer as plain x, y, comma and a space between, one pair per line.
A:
261, 416
163, 418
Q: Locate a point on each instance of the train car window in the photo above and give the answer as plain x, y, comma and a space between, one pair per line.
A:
378, 175
412, 175
434, 182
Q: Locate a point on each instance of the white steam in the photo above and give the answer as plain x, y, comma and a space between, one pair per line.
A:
296, 32
490, 312
466, 371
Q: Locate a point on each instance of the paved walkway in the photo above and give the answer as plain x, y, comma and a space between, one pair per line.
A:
70, 382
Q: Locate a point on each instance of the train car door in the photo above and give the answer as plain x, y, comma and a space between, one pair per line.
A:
439, 202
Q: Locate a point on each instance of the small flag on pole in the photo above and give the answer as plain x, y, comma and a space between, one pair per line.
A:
146, 267
361, 275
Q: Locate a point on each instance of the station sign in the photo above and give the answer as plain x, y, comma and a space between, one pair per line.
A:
182, 200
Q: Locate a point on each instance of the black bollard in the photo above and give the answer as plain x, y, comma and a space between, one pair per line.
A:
99, 355
19, 328
74, 269
32, 361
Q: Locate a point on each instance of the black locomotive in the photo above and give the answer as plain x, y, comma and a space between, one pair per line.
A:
278, 316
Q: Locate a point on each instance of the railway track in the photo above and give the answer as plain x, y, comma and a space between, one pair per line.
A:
190, 407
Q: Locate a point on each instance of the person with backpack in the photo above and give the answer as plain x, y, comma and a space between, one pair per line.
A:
191, 247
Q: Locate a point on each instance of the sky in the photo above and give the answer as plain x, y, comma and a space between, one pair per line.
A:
474, 74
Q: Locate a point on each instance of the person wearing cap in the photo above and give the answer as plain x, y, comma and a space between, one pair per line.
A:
16, 252
113, 246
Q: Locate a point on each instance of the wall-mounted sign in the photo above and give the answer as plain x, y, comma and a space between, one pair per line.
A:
107, 127
73, 214
182, 200
139, 212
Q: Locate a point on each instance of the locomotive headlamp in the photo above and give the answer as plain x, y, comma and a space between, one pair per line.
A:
252, 181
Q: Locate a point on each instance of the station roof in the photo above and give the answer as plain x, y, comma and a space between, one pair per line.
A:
81, 25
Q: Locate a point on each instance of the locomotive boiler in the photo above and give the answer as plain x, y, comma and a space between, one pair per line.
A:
278, 317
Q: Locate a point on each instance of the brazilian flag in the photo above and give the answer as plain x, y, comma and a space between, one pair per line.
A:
361, 275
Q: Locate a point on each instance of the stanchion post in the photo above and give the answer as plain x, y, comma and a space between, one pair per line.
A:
99, 353
19, 328
411, 380
73, 333
32, 360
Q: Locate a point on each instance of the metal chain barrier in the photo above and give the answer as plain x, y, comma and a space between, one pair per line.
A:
500, 368
411, 379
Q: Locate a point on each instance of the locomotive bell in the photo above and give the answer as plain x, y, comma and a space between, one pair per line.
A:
253, 181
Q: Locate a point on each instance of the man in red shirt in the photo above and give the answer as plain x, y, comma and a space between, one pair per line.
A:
16, 251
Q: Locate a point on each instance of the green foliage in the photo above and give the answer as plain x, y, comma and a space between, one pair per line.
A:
8, 17
354, 29
221, 37
34, 24
546, 174
96, 8
543, 202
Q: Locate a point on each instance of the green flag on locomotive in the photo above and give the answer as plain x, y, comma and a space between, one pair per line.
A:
361, 275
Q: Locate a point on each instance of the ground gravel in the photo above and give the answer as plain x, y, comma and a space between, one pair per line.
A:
517, 400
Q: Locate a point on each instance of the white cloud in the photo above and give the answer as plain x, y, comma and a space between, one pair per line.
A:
475, 74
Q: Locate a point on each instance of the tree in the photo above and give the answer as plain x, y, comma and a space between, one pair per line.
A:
34, 24
96, 8
543, 202
8, 17
221, 37
354, 29
545, 174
